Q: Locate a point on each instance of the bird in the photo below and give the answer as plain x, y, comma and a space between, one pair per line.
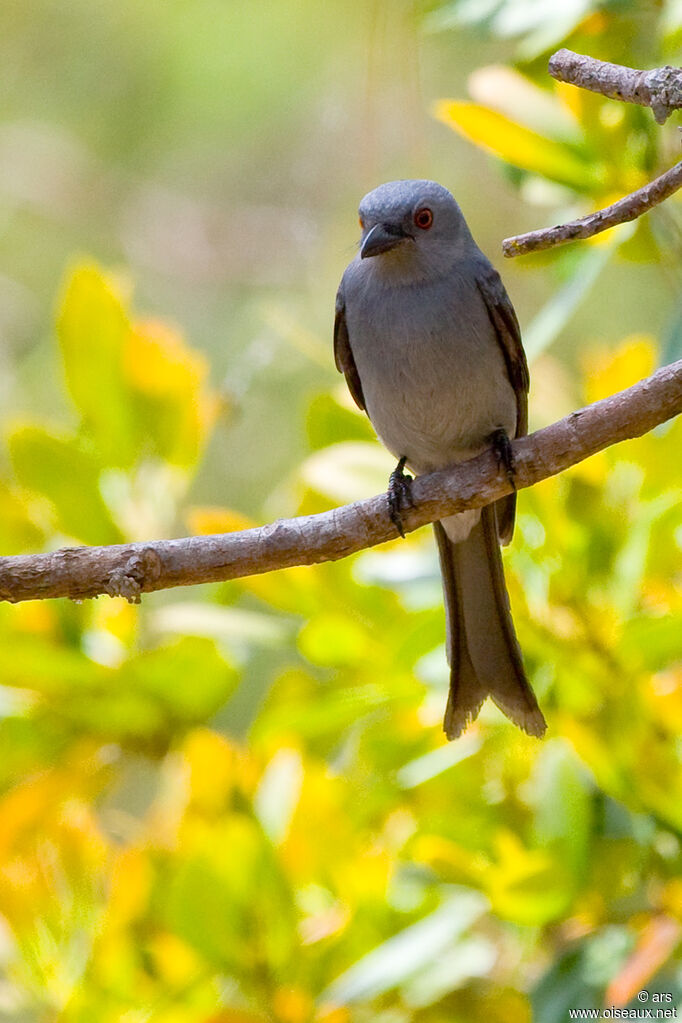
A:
430, 346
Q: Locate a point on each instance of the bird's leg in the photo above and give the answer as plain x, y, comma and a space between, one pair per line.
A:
502, 448
399, 495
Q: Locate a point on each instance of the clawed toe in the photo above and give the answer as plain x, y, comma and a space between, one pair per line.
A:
399, 495
504, 454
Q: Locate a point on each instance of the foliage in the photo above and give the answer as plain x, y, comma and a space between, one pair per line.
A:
338, 859
235, 805
570, 151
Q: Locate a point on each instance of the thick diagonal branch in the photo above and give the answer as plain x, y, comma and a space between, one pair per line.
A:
131, 569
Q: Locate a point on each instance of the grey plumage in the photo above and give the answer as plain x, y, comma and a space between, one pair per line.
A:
430, 347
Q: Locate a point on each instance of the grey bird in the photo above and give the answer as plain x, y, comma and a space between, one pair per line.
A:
429, 343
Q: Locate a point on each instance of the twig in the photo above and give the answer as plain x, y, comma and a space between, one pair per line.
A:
660, 89
620, 212
131, 569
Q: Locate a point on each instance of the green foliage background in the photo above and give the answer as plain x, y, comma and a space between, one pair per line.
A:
234, 804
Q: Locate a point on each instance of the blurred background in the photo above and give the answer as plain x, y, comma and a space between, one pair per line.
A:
235, 803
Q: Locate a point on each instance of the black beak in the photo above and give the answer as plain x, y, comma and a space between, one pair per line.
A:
381, 238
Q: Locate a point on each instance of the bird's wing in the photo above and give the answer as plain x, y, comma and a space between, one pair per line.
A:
503, 319
343, 355
506, 325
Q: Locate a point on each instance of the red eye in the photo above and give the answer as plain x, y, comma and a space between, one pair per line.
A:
361, 223
423, 218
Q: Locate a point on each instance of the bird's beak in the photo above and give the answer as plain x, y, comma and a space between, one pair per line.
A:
381, 238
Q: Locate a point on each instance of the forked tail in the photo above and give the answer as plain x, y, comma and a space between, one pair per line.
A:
483, 652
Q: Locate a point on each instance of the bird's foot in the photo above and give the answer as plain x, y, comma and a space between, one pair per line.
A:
502, 448
399, 495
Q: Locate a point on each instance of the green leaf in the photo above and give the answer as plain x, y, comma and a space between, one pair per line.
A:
18, 532
329, 711
334, 639
93, 328
48, 668
652, 643
229, 900
60, 470
558, 311
327, 422
564, 987
149, 698
410, 951
189, 679
563, 797
437, 761
139, 389
348, 471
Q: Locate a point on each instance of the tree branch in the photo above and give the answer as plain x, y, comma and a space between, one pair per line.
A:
660, 89
620, 212
131, 569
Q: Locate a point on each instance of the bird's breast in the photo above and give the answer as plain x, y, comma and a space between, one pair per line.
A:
432, 370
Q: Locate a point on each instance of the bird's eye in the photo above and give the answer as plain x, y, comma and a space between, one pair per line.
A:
361, 223
423, 218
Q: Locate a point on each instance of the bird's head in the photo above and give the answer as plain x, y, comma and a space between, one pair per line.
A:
414, 223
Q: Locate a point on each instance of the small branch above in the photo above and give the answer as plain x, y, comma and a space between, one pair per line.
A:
620, 212
660, 89
128, 570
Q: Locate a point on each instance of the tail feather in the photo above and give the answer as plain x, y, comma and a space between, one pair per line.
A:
484, 654
466, 695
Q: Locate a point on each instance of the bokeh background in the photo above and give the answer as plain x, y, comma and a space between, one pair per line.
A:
235, 804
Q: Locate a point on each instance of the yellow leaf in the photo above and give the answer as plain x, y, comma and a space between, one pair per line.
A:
452, 861
215, 767
607, 371
177, 963
35, 617
157, 361
292, 1005
129, 887
520, 146
592, 470
235, 1016
663, 694
571, 98
161, 368
515, 96
26, 808
594, 24
332, 1014
671, 898
526, 885
206, 521
297, 590
117, 617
